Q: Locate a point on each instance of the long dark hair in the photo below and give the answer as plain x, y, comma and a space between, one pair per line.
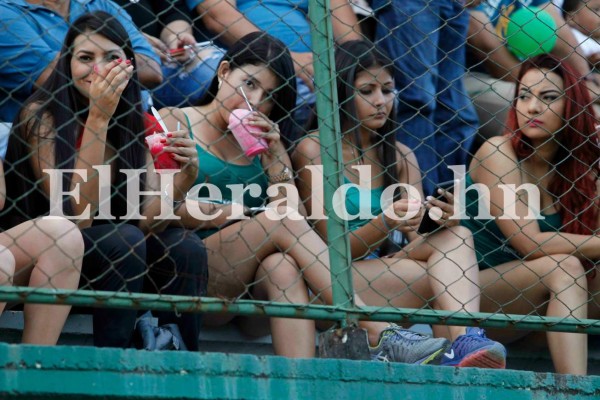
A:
576, 161
351, 58
58, 103
259, 48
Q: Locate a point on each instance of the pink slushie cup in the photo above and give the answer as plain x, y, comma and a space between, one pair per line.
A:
162, 160
243, 133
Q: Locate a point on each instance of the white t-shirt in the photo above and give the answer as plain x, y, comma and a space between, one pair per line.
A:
587, 45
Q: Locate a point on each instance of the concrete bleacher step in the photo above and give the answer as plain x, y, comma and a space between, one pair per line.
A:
229, 339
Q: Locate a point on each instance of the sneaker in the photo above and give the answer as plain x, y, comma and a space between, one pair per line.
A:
401, 345
475, 350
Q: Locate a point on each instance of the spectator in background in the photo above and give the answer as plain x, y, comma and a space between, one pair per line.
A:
583, 16
366, 17
286, 20
187, 66
426, 41
31, 35
494, 68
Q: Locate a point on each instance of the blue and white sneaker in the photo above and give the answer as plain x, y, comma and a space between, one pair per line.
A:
474, 349
401, 345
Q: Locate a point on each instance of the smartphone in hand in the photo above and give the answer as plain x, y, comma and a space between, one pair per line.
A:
428, 225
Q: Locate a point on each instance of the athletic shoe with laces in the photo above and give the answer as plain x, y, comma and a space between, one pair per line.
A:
401, 345
474, 349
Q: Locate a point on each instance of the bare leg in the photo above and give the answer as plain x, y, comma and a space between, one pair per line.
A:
48, 253
235, 252
555, 284
278, 279
441, 270
453, 271
392, 282
7, 269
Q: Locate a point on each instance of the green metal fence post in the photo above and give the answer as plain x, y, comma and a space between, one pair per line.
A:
331, 151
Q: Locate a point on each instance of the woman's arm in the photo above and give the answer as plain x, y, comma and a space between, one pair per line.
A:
183, 150
105, 93
177, 31
363, 240
496, 163
276, 161
489, 47
42, 144
410, 173
216, 215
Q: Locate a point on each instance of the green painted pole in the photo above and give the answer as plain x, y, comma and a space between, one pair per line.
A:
331, 151
88, 298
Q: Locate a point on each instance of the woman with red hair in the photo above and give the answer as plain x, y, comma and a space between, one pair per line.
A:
538, 258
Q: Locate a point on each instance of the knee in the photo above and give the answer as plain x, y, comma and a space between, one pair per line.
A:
130, 236
279, 269
61, 228
65, 235
7, 265
566, 271
454, 238
461, 235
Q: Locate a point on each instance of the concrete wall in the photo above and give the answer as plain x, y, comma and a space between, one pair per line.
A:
71, 372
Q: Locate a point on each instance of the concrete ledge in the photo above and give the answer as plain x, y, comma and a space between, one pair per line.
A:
229, 339
33, 372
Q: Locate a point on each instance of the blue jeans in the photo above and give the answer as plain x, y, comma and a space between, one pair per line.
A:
181, 88
426, 39
305, 101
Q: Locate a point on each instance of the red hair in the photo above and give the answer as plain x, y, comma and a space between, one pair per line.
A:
576, 161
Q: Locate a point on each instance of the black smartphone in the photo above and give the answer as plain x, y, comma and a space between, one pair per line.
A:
428, 225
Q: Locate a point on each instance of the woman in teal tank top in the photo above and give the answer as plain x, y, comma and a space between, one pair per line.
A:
262, 257
541, 267
437, 270
491, 245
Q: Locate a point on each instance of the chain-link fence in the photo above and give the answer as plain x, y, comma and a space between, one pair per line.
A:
413, 180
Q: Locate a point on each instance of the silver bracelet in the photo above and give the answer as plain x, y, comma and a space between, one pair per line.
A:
176, 203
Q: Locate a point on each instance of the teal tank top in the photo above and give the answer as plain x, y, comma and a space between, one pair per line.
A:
491, 246
354, 204
220, 173
353, 200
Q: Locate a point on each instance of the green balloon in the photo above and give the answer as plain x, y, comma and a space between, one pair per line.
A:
530, 31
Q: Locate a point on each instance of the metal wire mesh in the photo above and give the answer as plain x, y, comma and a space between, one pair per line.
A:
530, 275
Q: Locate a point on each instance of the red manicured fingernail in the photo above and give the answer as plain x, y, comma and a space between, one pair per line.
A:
163, 140
169, 134
127, 62
119, 60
